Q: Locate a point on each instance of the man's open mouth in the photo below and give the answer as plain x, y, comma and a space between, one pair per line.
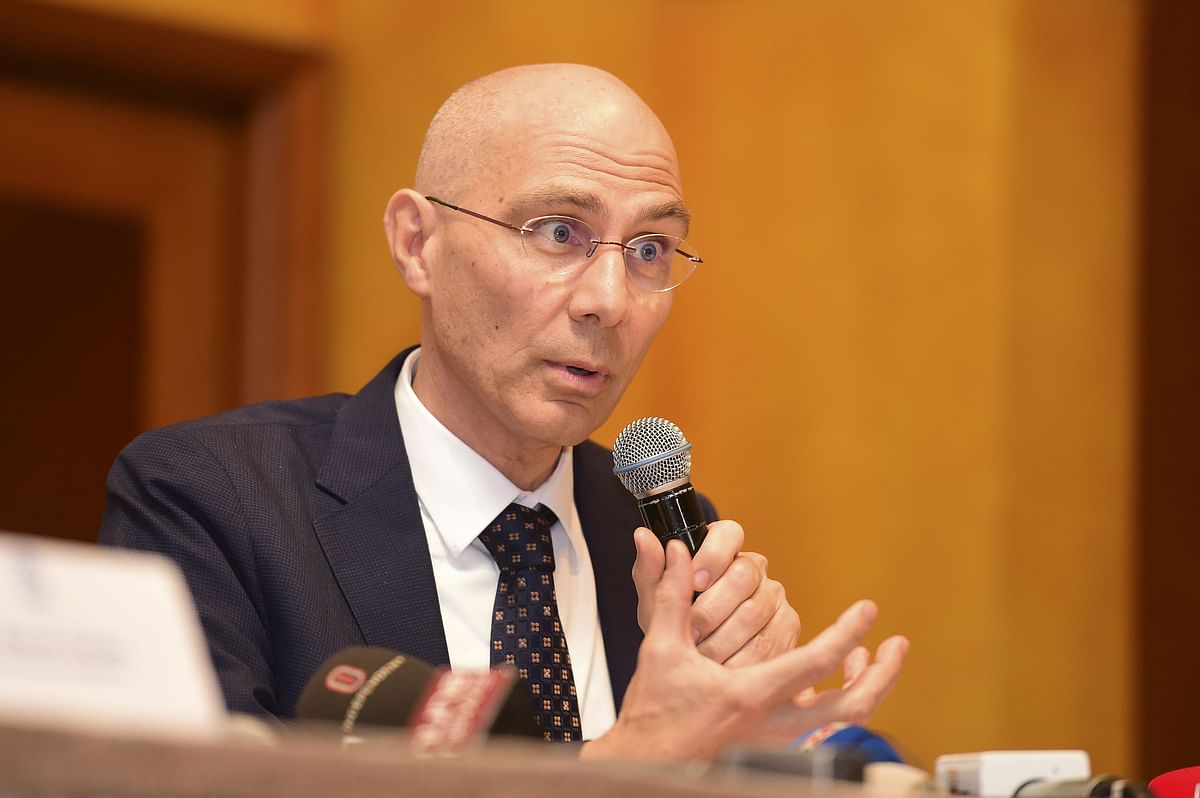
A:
582, 372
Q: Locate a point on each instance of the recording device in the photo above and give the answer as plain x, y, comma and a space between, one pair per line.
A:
370, 691
998, 774
653, 460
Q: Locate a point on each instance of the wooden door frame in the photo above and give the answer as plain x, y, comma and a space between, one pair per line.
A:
1168, 546
273, 97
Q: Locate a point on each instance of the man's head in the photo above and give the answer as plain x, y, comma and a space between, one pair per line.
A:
518, 359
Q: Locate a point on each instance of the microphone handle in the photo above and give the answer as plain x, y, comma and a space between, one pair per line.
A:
675, 514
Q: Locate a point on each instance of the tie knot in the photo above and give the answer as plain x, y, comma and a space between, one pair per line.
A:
519, 538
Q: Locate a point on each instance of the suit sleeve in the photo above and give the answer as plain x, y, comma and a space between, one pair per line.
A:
168, 494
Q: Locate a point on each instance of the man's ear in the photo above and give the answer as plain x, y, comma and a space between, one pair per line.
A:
409, 221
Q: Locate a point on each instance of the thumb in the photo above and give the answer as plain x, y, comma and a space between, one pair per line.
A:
672, 600
647, 569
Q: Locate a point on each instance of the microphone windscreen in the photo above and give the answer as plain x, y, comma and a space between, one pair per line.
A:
364, 685
459, 709
651, 453
851, 739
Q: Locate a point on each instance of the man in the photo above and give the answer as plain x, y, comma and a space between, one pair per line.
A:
543, 237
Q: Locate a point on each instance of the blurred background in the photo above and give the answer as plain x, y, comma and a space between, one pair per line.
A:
944, 350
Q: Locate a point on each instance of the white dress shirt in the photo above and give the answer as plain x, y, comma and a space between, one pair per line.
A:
460, 493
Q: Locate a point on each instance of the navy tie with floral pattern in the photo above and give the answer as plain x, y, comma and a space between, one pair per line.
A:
527, 631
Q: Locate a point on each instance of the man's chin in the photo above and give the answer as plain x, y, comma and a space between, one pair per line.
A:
568, 423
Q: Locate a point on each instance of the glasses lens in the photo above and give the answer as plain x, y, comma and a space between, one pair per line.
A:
659, 262
559, 243
655, 262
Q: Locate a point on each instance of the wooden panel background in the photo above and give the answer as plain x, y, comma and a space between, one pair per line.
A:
908, 364
209, 147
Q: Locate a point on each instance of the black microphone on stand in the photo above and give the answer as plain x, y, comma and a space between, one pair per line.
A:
654, 462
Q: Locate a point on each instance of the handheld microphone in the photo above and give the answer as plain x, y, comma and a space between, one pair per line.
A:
653, 460
366, 689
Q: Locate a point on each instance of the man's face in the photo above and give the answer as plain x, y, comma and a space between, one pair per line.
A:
525, 357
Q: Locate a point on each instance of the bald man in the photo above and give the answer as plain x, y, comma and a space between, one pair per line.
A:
543, 237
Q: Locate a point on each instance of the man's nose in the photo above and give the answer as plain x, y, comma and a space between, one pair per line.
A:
602, 287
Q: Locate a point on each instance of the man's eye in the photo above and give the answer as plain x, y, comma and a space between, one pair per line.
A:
655, 248
649, 250
559, 231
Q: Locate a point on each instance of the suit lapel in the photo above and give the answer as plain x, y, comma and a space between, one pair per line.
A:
609, 515
370, 526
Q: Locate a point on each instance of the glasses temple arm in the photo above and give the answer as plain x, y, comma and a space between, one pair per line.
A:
473, 213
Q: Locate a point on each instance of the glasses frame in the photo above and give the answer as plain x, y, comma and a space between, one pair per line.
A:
595, 242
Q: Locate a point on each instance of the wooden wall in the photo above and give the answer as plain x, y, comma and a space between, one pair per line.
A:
908, 364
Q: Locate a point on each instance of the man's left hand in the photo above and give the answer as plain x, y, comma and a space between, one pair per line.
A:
741, 616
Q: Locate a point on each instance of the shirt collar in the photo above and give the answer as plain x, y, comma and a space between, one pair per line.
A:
461, 491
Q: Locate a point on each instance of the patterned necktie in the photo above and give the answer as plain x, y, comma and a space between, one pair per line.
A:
527, 632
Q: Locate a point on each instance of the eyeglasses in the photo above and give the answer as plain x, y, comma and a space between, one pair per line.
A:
654, 261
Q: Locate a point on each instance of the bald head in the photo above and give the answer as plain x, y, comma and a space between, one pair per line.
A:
487, 125
528, 342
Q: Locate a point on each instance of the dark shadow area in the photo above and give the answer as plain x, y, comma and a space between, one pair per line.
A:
1169, 463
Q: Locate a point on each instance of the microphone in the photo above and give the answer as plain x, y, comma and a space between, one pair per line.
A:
653, 460
366, 689
882, 765
838, 752
851, 739
1098, 787
1182, 783
378, 686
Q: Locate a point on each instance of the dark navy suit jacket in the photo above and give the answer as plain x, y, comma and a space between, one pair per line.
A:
297, 527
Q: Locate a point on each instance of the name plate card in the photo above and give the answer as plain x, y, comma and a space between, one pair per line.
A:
103, 641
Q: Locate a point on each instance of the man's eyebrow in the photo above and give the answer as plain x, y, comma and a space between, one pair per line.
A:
560, 198
587, 201
670, 210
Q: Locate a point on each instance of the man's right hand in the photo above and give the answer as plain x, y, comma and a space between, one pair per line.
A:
682, 705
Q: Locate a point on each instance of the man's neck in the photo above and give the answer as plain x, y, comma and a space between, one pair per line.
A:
527, 467
526, 473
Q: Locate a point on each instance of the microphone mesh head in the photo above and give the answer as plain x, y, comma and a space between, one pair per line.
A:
649, 453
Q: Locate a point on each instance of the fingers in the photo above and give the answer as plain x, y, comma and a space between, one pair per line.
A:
858, 699
778, 679
853, 703
740, 613
761, 627
737, 584
861, 698
720, 547
855, 664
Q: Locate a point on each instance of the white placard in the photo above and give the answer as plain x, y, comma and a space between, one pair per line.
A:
102, 640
